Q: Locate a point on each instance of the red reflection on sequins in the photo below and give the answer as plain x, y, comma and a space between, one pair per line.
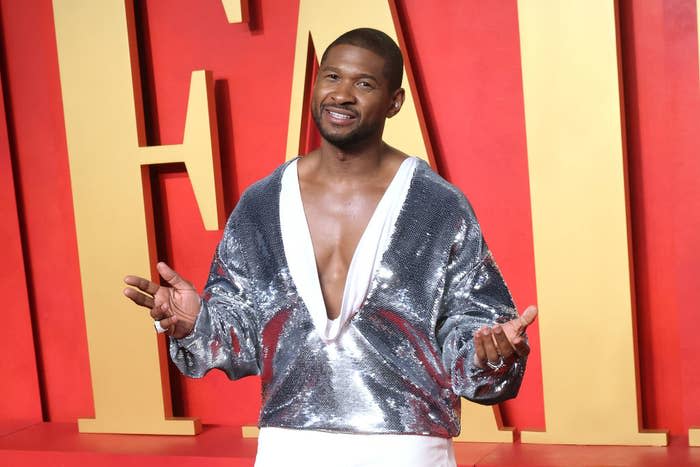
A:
235, 343
412, 336
215, 346
270, 338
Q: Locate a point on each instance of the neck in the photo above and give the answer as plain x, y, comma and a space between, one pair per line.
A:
352, 162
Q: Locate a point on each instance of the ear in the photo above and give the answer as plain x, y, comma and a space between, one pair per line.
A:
396, 102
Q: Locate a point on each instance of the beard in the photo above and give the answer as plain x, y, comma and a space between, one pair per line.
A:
352, 139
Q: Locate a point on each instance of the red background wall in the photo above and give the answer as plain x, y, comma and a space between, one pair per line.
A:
466, 60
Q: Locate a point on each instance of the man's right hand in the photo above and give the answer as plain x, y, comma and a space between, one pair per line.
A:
175, 307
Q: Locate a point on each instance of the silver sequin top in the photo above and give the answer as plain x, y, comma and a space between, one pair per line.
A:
403, 359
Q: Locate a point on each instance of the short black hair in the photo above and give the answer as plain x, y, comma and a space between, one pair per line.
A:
379, 43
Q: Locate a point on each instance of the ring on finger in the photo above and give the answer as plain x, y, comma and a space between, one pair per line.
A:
159, 329
498, 365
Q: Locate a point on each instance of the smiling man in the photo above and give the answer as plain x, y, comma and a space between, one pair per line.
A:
355, 281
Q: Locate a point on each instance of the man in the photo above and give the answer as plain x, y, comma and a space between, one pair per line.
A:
356, 283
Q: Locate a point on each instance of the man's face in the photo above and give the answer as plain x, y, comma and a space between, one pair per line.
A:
351, 99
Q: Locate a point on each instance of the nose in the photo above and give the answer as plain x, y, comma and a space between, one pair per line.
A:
343, 93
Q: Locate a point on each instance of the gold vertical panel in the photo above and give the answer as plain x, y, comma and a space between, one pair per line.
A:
482, 424
104, 130
250, 431
694, 437
321, 21
579, 210
235, 10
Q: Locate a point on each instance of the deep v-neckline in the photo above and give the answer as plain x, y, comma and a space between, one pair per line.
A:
301, 259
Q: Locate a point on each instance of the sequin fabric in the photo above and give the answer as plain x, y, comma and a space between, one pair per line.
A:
401, 362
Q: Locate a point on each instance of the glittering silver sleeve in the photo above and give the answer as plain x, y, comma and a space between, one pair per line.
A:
226, 331
475, 296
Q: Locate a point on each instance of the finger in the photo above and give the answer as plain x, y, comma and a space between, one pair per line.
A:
518, 325
142, 284
172, 277
169, 323
160, 312
503, 345
490, 347
139, 298
528, 316
521, 347
479, 350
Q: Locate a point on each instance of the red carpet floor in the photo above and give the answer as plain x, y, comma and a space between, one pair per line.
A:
60, 444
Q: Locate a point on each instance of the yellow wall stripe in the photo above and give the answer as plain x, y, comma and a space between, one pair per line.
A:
578, 194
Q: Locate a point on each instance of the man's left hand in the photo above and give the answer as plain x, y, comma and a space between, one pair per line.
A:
498, 343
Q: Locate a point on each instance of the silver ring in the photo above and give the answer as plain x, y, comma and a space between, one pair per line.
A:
498, 365
159, 329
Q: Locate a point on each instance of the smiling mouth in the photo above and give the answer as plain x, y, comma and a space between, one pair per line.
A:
339, 116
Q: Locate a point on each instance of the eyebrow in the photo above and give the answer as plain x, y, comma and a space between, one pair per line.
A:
360, 76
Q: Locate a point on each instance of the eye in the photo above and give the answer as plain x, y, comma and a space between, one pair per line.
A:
365, 85
332, 76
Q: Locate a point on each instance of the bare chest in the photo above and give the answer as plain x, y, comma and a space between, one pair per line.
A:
336, 223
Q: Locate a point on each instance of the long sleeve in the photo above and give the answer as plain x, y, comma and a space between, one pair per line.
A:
475, 296
225, 335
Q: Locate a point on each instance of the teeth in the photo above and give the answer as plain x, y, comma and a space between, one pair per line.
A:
337, 115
